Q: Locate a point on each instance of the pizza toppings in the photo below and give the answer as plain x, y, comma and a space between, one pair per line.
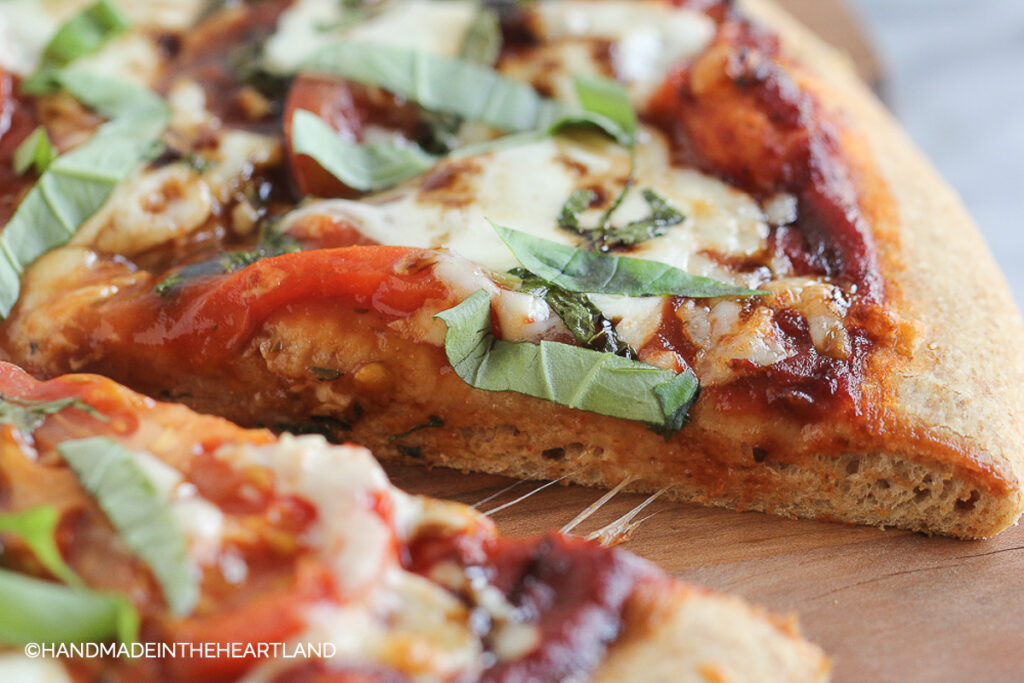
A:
630, 235
313, 545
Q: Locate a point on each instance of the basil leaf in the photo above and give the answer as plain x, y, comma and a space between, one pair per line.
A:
82, 35
454, 86
567, 375
605, 104
37, 611
662, 217
109, 472
596, 273
585, 321
78, 183
37, 528
578, 202
482, 42
27, 415
34, 151
362, 167
274, 244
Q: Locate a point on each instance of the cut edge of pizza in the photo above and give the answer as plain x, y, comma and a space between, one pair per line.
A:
123, 518
704, 260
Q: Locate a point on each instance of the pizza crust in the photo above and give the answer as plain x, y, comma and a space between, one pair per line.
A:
962, 385
677, 634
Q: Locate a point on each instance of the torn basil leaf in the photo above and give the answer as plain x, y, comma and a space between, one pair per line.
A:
141, 516
37, 528
584, 320
569, 216
456, 86
78, 183
27, 416
36, 151
273, 244
662, 217
83, 34
593, 272
602, 100
361, 167
481, 43
567, 375
38, 611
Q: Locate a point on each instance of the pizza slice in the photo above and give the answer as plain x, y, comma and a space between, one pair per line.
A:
653, 242
170, 527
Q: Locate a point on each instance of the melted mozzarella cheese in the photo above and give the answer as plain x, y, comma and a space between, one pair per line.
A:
647, 37
26, 26
425, 25
524, 187
390, 617
350, 536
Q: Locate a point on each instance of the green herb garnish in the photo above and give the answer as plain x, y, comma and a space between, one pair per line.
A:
361, 167
472, 91
83, 34
579, 270
36, 151
27, 416
567, 375
35, 610
142, 518
77, 184
585, 321
38, 611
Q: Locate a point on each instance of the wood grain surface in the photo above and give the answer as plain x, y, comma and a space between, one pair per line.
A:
886, 605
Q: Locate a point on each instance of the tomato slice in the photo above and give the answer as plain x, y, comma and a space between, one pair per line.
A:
273, 618
334, 102
210, 319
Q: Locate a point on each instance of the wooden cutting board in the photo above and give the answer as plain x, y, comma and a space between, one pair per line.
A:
885, 605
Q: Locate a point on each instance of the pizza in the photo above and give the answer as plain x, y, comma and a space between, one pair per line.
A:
177, 529
672, 244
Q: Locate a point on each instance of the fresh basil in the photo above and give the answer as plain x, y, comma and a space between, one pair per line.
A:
661, 218
34, 610
82, 35
36, 151
481, 43
37, 527
37, 611
362, 167
27, 416
77, 183
142, 518
578, 202
455, 86
583, 319
593, 272
602, 100
273, 244
567, 375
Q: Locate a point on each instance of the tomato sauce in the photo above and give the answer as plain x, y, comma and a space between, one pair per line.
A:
572, 590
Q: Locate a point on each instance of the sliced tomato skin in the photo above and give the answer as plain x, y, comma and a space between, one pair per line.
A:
334, 102
205, 323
